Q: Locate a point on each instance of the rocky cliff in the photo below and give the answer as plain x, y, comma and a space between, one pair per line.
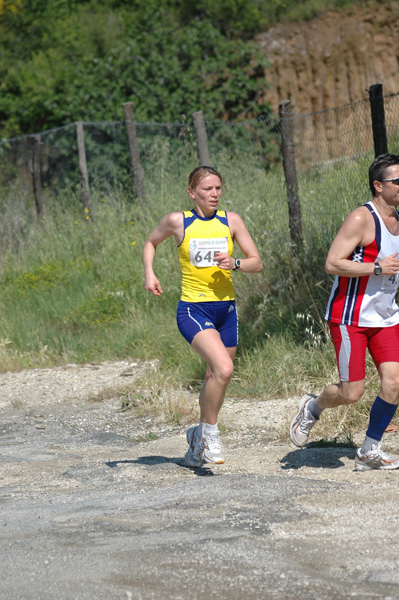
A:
332, 60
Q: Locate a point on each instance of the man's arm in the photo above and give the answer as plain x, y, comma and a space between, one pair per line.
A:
357, 230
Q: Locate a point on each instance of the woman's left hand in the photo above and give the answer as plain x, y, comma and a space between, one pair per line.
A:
224, 261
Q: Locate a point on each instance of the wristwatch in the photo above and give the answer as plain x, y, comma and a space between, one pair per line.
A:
237, 264
377, 268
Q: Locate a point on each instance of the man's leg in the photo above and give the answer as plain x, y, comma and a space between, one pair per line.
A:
344, 392
370, 455
384, 349
311, 407
350, 345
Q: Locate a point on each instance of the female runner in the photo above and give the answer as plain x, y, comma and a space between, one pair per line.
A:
206, 313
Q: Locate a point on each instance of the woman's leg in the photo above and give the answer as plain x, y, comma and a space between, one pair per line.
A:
219, 371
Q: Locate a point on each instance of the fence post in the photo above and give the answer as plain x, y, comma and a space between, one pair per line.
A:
36, 174
287, 146
378, 119
202, 138
138, 173
84, 176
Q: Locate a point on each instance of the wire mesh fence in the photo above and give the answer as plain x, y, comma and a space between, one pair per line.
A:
333, 150
168, 153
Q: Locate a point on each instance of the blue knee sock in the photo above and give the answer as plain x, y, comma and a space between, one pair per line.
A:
380, 416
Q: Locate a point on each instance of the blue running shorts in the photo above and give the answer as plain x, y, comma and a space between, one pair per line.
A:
193, 317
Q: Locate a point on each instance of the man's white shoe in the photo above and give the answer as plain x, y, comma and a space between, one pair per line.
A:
375, 459
303, 422
213, 452
194, 456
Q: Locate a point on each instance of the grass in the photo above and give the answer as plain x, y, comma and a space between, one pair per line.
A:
72, 291
154, 395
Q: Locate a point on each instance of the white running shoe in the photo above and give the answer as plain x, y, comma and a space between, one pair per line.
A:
213, 448
375, 459
303, 422
194, 456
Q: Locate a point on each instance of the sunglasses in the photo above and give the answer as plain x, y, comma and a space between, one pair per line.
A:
394, 180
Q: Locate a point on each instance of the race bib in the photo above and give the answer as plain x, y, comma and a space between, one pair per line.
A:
390, 282
203, 251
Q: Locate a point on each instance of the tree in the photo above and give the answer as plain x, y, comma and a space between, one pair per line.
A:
82, 60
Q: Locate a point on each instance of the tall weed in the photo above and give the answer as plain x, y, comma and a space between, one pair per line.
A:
71, 284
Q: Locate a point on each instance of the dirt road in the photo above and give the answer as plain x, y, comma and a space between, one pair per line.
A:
92, 508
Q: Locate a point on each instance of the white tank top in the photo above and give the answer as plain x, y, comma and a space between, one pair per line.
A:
367, 301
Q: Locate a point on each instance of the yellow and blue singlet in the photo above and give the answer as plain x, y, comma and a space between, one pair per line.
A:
204, 237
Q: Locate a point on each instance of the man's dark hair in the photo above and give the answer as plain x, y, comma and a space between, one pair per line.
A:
378, 168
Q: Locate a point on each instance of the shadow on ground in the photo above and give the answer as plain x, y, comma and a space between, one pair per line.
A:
161, 461
321, 458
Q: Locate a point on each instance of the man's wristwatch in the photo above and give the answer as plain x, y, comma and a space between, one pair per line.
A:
377, 268
237, 264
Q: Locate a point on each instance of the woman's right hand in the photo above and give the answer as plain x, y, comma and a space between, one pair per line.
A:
152, 285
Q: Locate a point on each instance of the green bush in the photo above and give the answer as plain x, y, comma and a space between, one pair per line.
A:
62, 62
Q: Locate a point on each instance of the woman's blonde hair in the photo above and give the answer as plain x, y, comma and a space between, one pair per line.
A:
199, 173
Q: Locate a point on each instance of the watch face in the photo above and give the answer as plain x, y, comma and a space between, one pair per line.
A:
377, 269
238, 263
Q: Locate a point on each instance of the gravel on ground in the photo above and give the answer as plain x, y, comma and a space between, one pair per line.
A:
97, 503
